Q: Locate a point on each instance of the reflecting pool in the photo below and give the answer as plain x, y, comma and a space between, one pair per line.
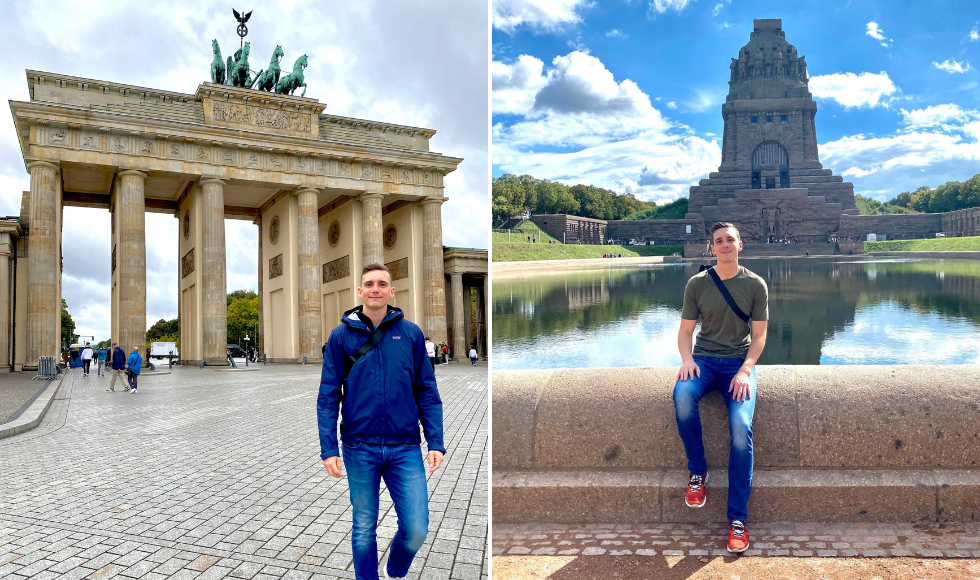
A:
821, 311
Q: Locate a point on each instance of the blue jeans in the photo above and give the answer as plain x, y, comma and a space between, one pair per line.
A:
717, 373
403, 471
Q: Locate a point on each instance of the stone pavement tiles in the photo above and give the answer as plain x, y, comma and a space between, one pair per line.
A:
811, 540
206, 475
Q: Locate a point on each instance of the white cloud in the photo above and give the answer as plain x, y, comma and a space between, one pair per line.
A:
938, 115
876, 33
587, 127
719, 7
853, 90
952, 66
547, 15
672, 105
661, 6
974, 32
616, 33
515, 85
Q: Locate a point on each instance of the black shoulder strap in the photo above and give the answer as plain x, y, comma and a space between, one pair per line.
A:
368, 345
728, 297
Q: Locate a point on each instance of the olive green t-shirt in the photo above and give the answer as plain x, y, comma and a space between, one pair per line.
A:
723, 334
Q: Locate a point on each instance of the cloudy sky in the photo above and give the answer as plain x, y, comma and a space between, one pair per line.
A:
411, 62
627, 94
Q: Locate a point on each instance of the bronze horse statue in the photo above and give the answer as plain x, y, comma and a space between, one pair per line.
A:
238, 74
266, 80
217, 65
294, 80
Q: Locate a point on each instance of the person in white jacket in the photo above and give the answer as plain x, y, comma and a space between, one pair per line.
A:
86, 358
473, 356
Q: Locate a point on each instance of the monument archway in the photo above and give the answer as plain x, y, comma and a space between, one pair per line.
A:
329, 194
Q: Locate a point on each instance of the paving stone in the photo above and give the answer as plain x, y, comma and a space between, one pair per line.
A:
203, 507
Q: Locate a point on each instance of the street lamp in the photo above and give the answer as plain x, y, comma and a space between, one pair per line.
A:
246, 348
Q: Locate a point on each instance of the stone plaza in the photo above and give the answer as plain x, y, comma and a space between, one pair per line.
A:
216, 474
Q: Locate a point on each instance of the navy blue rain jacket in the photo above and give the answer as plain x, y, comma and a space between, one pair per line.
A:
390, 390
118, 359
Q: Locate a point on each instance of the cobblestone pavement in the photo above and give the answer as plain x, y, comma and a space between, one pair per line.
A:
209, 475
953, 540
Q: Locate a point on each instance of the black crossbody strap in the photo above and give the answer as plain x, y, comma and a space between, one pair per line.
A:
368, 345
728, 297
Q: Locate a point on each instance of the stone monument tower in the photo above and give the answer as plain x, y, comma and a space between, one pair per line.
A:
770, 182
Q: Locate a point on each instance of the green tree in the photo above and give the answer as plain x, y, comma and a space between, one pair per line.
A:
161, 329
67, 324
554, 197
243, 315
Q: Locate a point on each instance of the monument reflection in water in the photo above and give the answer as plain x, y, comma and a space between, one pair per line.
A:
821, 311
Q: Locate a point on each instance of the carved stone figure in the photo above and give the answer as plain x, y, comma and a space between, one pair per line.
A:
734, 69
266, 80
294, 80
238, 68
803, 68
217, 65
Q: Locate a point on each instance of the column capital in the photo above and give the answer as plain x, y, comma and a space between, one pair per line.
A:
304, 189
432, 200
54, 165
370, 195
134, 172
214, 180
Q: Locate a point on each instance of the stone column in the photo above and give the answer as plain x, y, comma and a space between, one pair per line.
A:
434, 270
131, 261
481, 321
7, 246
310, 321
43, 309
459, 342
214, 291
372, 243
259, 342
486, 315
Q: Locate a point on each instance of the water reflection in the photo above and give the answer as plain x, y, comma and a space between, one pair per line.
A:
822, 311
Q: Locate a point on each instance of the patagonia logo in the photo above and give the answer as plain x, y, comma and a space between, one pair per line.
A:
395, 337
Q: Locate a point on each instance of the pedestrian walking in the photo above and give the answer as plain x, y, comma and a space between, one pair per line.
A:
473, 356
86, 359
133, 366
118, 365
387, 391
101, 355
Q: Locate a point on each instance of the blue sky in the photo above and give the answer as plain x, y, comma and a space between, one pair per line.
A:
627, 94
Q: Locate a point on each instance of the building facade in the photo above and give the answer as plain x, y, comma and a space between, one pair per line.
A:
328, 194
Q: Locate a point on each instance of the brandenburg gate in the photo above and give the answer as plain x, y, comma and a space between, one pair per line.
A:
329, 194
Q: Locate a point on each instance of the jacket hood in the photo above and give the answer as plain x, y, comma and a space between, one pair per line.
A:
351, 319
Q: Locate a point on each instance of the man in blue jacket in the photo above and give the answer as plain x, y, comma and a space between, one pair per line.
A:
118, 364
390, 390
133, 365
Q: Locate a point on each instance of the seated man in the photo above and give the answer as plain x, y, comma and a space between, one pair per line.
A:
724, 359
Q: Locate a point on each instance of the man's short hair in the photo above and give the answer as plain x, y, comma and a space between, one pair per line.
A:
372, 268
721, 225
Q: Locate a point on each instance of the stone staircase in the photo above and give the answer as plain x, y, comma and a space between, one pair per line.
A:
832, 444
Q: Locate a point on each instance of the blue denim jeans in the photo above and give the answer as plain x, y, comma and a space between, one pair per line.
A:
717, 373
403, 470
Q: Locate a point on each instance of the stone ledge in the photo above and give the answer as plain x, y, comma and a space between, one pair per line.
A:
31, 418
871, 496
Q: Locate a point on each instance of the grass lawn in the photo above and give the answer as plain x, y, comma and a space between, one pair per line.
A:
967, 244
521, 252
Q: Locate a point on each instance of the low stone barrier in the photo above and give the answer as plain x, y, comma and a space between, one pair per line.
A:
832, 443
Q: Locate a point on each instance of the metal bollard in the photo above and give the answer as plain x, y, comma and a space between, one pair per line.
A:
304, 360
265, 359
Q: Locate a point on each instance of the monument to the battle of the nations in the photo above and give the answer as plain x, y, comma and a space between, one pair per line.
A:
328, 193
770, 183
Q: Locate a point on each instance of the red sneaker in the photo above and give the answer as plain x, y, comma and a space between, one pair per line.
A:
694, 495
738, 536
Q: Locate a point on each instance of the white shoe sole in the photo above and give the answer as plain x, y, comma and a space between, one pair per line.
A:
696, 506
739, 551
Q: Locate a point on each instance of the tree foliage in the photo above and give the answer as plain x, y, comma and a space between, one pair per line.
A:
67, 324
243, 316
514, 195
674, 210
950, 196
868, 206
